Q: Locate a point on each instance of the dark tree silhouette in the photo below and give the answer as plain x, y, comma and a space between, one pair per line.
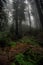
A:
3, 17
39, 4
12, 32
18, 15
21, 15
16, 3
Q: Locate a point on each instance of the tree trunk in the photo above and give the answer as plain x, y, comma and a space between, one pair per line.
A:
17, 34
20, 28
29, 21
40, 13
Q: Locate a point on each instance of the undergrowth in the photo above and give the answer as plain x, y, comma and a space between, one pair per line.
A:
27, 59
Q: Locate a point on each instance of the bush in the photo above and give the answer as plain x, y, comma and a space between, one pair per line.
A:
4, 40
20, 60
32, 56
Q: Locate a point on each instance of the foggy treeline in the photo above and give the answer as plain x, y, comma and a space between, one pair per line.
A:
19, 17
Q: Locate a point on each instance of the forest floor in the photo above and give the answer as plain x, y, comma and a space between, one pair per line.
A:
9, 53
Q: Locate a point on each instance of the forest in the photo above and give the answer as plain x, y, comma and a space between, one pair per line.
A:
21, 32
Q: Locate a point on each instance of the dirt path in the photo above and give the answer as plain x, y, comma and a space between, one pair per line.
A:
6, 57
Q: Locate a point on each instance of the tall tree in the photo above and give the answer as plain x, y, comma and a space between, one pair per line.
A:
18, 14
16, 3
29, 16
39, 4
3, 17
21, 15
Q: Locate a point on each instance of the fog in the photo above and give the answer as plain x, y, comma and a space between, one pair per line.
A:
31, 13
